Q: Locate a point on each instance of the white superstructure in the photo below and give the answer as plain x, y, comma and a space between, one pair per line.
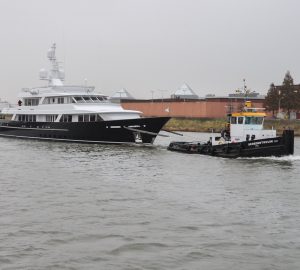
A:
57, 102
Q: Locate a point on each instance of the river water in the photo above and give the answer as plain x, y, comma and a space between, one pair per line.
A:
76, 206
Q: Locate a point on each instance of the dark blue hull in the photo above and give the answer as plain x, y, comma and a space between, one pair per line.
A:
117, 131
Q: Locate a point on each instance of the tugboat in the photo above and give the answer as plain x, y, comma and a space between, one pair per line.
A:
59, 112
243, 136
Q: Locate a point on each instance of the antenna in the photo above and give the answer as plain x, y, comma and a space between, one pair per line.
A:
56, 75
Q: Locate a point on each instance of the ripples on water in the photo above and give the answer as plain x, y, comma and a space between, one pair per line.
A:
73, 206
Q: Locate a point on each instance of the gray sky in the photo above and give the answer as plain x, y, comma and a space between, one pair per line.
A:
146, 45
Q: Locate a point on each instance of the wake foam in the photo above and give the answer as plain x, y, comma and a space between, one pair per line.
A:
284, 158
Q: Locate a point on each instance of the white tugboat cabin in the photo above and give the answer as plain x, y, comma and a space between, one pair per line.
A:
248, 124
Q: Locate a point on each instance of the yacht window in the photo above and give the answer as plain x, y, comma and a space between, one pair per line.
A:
79, 99
46, 101
240, 120
51, 118
31, 101
89, 118
233, 120
86, 118
26, 117
92, 118
60, 100
99, 118
87, 99
94, 99
66, 118
100, 98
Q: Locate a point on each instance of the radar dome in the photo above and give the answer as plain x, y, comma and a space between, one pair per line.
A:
43, 74
61, 74
51, 53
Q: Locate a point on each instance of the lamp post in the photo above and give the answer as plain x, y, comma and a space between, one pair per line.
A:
279, 98
162, 98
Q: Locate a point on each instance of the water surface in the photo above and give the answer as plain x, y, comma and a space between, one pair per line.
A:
76, 206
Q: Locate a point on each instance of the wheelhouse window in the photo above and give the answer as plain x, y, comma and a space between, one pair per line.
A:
254, 120
233, 120
240, 120
26, 117
66, 118
31, 101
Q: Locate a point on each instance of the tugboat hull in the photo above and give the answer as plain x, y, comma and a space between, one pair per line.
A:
143, 130
278, 146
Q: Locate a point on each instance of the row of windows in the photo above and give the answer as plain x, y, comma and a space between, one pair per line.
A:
31, 101
51, 118
58, 100
89, 118
248, 120
64, 118
76, 99
89, 99
27, 118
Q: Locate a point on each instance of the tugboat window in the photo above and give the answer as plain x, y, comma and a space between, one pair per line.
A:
253, 120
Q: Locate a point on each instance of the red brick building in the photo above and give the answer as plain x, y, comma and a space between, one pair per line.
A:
210, 107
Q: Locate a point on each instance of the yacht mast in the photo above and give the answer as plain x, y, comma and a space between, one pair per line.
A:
56, 74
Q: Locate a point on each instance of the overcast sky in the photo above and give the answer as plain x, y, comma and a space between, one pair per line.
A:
146, 45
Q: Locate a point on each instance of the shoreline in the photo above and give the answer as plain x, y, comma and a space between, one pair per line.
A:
207, 125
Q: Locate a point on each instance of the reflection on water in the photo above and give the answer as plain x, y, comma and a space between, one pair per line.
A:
77, 206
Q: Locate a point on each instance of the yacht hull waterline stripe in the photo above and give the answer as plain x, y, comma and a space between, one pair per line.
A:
69, 140
48, 129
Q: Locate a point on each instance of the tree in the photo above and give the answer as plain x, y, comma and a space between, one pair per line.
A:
287, 94
272, 99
